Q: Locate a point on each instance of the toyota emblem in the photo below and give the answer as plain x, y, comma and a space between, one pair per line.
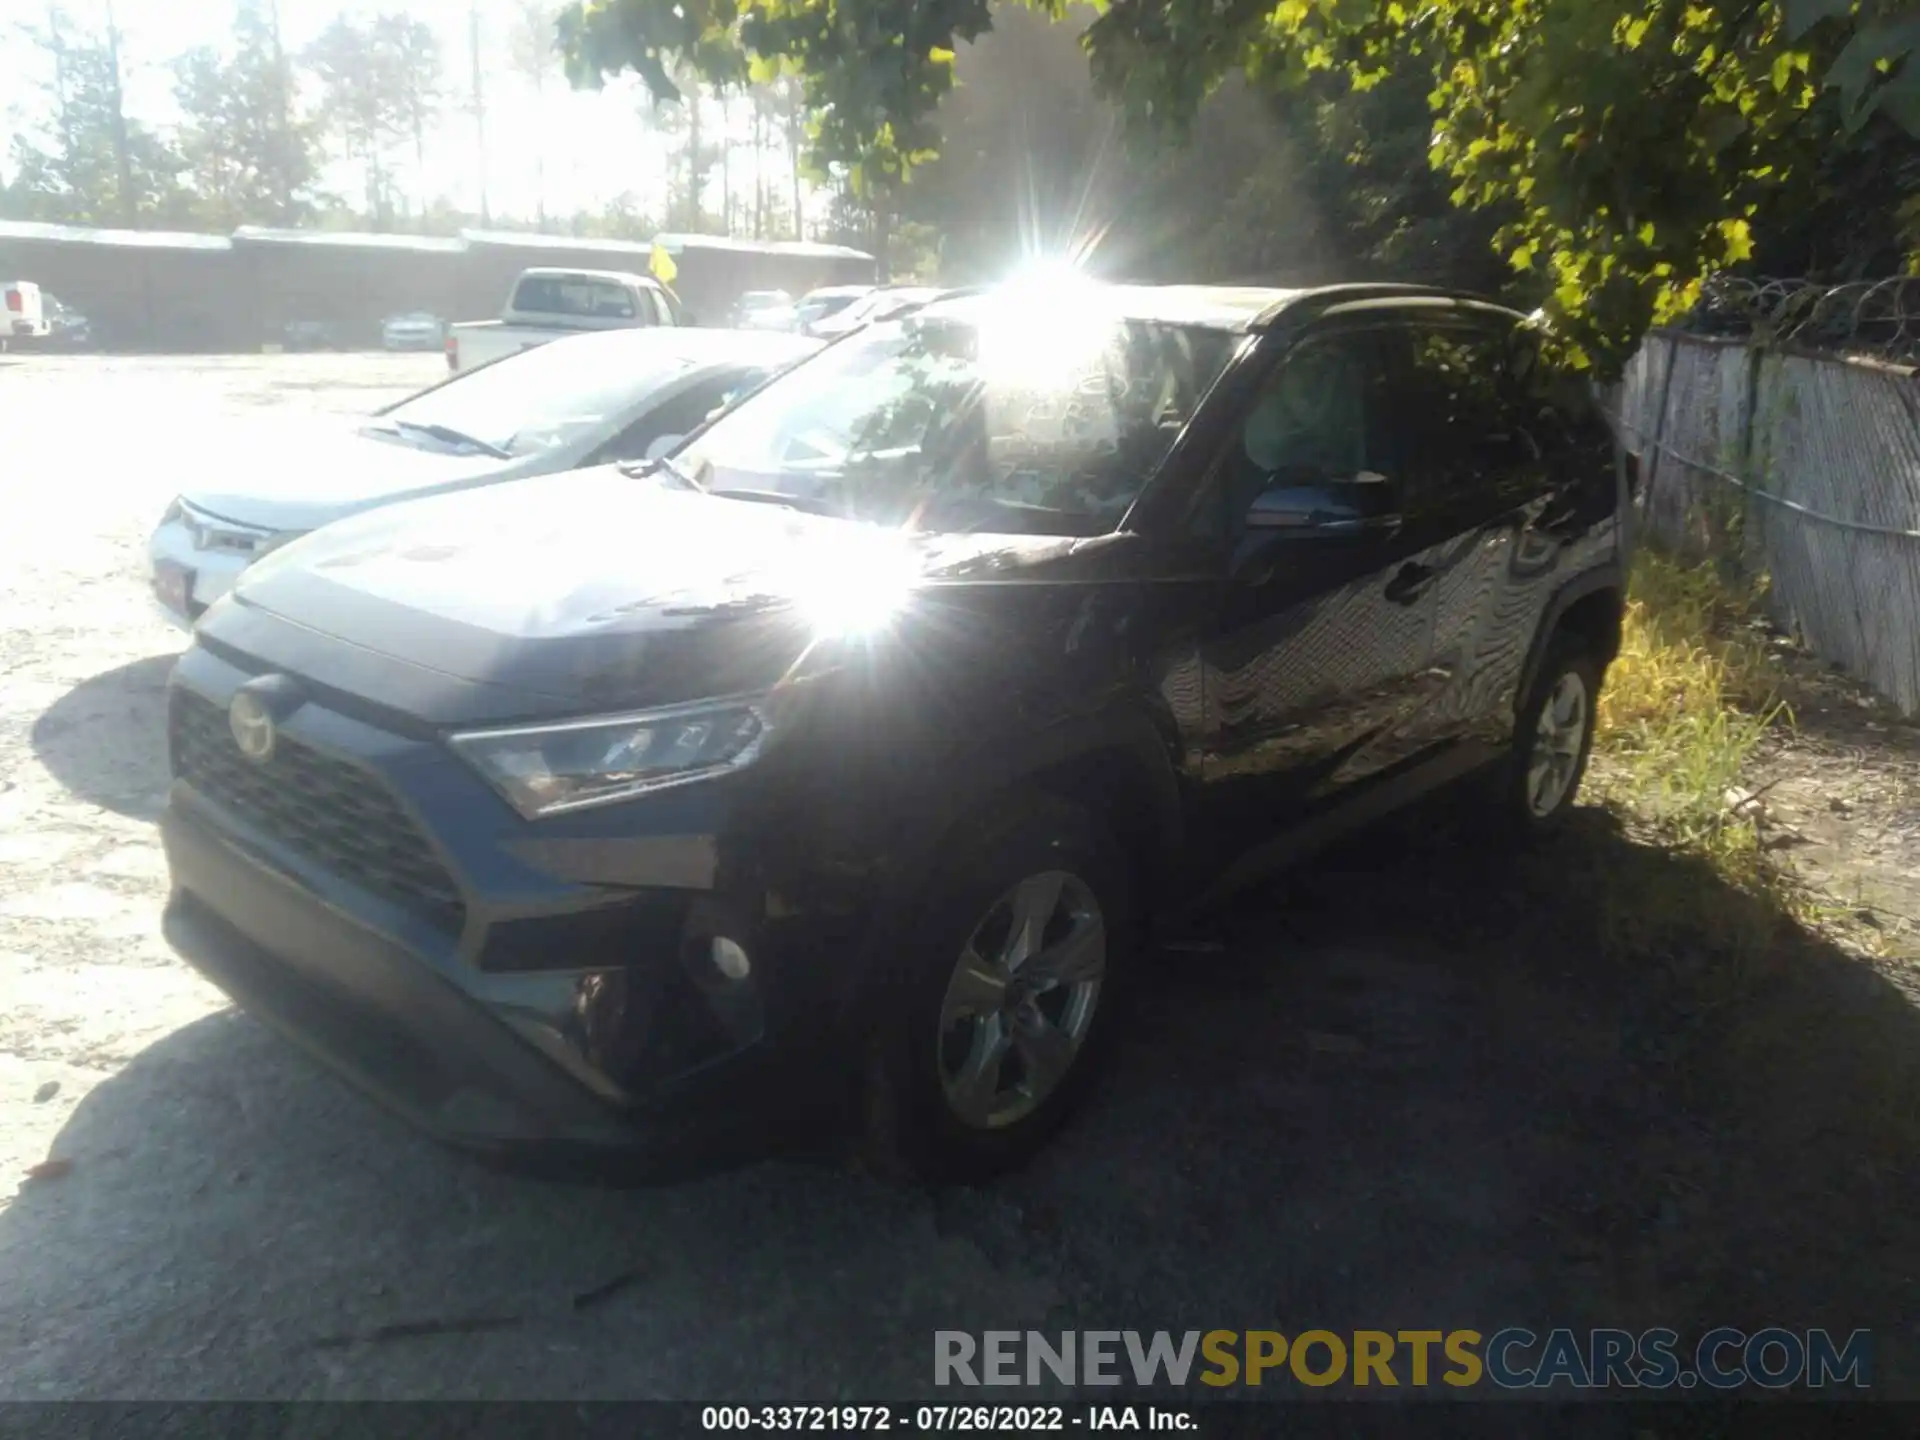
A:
252, 726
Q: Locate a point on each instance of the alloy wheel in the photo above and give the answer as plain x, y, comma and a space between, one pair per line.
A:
1560, 732
1021, 999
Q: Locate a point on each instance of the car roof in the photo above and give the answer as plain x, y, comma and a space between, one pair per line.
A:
830, 290
697, 346
1243, 309
547, 272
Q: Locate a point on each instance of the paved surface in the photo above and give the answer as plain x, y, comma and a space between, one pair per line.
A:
1398, 1095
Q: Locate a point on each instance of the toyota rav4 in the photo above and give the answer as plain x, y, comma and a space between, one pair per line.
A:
850, 751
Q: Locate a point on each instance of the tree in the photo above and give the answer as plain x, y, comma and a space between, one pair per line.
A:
477, 106
533, 52
1628, 145
1305, 185
87, 162
380, 84
408, 53
249, 157
679, 117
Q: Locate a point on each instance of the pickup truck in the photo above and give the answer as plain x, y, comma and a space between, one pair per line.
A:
547, 304
25, 317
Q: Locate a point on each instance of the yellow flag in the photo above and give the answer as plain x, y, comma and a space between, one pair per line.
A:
662, 265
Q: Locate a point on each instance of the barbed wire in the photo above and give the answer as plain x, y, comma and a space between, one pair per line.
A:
1861, 317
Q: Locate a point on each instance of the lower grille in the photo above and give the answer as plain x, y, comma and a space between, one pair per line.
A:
336, 815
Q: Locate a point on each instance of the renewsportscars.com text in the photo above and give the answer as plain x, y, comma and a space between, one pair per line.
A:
1510, 1359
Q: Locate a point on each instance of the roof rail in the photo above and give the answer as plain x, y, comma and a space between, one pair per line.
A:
1323, 297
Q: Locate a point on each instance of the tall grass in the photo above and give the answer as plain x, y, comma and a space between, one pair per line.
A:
1687, 701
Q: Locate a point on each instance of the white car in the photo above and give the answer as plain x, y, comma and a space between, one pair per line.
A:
415, 330
586, 400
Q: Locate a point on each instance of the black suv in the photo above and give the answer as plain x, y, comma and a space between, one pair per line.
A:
851, 750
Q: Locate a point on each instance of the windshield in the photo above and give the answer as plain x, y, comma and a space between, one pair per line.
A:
985, 415
823, 303
544, 397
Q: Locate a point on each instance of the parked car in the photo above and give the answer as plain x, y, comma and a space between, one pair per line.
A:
415, 330
764, 310
585, 400
586, 817
885, 303
311, 335
550, 304
818, 305
25, 312
67, 328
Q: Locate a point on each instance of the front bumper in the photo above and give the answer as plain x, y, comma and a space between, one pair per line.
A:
534, 1015
211, 573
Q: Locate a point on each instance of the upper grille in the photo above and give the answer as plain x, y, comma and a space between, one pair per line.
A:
334, 814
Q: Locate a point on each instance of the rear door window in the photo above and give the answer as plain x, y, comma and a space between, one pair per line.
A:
1459, 416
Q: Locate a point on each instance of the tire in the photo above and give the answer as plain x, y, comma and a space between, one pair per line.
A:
957, 1087
1553, 741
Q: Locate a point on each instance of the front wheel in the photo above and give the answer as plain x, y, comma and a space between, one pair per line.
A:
995, 1024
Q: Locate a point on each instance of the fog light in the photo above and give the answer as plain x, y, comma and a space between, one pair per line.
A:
730, 959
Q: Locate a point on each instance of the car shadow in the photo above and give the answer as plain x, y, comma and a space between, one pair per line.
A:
1417, 1085
105, 740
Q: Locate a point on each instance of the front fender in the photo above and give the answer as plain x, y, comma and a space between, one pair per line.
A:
1121, 743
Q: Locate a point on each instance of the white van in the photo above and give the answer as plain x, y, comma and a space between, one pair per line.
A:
25, 317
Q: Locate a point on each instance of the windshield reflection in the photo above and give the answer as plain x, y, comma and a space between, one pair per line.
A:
988, 414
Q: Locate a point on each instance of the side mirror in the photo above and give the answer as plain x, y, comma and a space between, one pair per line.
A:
1309, 505
663, 445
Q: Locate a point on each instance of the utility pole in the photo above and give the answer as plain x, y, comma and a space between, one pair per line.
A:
57, 43
795, 120
282, 119
726, 163
129, 202
479, 109
696, 167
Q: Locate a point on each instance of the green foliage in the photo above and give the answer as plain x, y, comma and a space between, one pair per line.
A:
1876, 72
379, 82
250, 155
1625, 147
871, 72
89, 164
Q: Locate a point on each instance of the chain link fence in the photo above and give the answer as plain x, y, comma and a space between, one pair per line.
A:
1798, 467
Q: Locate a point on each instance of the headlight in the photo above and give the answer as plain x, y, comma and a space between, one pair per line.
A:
547, 769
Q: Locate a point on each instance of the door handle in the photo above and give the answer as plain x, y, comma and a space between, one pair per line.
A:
1409, 583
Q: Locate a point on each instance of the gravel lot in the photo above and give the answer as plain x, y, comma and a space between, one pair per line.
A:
1396, 1095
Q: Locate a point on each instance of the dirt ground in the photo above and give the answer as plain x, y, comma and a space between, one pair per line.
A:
1402, 1091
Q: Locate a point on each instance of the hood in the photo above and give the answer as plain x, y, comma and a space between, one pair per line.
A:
604, 587
304, 475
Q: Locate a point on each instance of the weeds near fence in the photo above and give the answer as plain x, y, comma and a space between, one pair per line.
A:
1752, 970
1687, 701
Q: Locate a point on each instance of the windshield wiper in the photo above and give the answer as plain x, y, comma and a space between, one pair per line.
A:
807, 503
446, 434
659, 464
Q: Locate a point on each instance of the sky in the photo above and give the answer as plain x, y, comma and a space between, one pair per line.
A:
595, 144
